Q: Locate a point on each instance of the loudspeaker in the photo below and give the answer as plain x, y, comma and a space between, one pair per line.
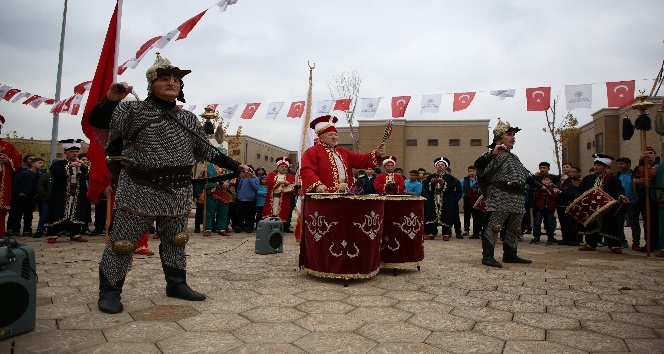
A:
269, 236
18, 288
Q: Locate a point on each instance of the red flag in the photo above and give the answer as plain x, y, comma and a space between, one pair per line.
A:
296, 110
10, 93
49, 101
399, 104
249, 110
462, 100
342, 104
31, 99
100, 178
620, 94
57, 107
186, 27
82, 87
538, 98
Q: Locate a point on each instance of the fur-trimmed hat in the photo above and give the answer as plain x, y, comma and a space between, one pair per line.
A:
324, 124
603, 159
386, 159
283, 161
440, 159
71, 144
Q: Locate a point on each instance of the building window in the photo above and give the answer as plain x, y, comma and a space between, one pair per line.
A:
271, 159
265, 157
432, 142
599, 143
411, 142
475, 142
258, 156
455, 142
589, 145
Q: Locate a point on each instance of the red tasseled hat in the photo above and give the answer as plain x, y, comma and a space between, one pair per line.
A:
324, 124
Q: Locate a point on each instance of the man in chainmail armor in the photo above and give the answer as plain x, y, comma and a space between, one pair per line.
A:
160, 145
505, 176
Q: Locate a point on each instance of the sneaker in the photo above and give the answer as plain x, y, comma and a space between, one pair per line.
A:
38, 234
52, 240
616, 250
429, 237
27, 233
223, 233
78, 239
207, 233
465, 233
549, 242
446, 238
586, 248
535, 240
474, 237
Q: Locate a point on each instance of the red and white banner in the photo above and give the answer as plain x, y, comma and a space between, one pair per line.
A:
11, 93
538, 98
620, 94
462, 100
399, 105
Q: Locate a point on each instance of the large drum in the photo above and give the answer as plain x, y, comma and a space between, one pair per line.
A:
403, 231
342, 235
590, 206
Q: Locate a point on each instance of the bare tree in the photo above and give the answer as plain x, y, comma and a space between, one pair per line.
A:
347, 85
562, 133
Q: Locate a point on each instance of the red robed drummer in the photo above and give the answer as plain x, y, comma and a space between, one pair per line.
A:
328, 168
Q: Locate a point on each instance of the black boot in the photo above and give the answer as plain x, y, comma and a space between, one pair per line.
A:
487, 253
109, 295
176, 285
509, 255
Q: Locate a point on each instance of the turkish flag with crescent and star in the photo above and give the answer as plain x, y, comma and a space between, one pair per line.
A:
538, 98
399, 105
296, 110
342, 104
249, 110
620, 94
462, 100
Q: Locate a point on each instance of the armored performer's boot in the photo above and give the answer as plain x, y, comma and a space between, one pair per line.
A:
487, 253
509, 255
176, 285
109, 295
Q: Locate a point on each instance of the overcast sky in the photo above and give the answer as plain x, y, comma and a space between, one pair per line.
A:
258, 50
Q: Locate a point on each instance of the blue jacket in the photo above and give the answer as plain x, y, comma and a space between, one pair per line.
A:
246, 189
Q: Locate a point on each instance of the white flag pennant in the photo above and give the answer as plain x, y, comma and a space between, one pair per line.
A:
578, 96
368, 107
431, 103
20, 95
227, 113
503, 93
324, 107
223, 4
161, 43
273, 109
191, 107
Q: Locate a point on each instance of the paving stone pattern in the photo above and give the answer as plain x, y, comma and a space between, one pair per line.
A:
566, 301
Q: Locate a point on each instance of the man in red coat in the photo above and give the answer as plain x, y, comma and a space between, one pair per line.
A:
327, 168
280, 187
10, 161
390, 182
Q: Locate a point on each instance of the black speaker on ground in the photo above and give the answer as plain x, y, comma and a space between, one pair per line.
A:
18, 288
269, 236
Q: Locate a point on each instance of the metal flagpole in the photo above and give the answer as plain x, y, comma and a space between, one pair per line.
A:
58, 82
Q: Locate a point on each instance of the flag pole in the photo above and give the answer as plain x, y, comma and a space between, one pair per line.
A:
58, 84
299, 228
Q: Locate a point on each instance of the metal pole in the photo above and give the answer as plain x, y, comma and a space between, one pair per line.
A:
56, 115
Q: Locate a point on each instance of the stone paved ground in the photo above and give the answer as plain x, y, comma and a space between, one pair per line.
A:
564, 302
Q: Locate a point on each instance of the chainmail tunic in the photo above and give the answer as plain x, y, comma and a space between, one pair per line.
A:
162, 143
508, 168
